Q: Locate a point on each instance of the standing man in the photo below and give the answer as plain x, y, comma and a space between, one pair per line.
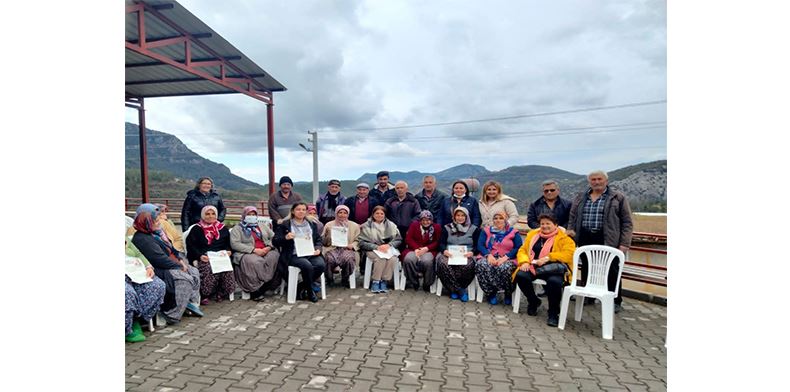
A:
361, 205
549, 203
280, 202
327, 203
383, 189
431, 199
601, 216
403, 208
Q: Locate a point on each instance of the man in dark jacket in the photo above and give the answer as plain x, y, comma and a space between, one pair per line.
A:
361, 205
601, 216
431, 199
327, 203
549, 203
383, 190
202, 195
403, 208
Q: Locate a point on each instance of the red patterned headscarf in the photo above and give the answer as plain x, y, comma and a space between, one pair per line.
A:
210, 230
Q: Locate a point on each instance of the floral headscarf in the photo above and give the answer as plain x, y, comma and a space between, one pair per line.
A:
210, 230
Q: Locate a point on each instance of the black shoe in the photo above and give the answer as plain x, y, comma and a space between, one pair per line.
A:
311, 296
553, 321
618, 308
426, 289
533, 310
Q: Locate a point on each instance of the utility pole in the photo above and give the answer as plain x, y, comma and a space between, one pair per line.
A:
314, 150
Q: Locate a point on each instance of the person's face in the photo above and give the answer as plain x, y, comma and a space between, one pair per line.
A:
362, 192
252, 213
459, 217
205, 186
429, 184
597, 182
401, 189
491, 192
210, 216
459, 189
300, 211
342, 214
162, 215
312, 212
383, 180
425, 222
550, 192
378, 216
333, 189
285, 187
547, 226
499, 221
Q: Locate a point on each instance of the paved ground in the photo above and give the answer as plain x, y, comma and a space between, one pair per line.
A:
404, 341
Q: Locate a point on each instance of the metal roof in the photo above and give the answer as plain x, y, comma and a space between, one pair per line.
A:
159, 68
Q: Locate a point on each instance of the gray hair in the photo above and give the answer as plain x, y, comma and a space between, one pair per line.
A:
549, 182
429, 176
599, 172
404, 183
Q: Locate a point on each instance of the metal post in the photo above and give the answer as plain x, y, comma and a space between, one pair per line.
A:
143, 152
315, 163
270, 143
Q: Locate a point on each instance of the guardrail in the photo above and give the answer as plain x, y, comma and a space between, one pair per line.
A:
174, 205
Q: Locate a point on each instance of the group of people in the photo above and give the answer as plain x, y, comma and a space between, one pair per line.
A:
454, 238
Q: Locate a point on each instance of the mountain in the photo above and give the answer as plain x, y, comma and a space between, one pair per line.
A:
175, 168
167, 153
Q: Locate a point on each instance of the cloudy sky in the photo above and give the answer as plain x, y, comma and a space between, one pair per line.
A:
351, 65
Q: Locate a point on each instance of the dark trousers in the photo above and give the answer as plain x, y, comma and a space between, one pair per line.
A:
588, 238
311, 267
553, 287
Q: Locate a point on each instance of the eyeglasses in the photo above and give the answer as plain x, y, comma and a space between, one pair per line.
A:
549, 190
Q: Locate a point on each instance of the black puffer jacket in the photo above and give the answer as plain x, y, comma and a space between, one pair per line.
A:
194, 203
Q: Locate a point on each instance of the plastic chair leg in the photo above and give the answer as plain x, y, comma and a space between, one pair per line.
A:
151, 325
433, 286
564, 304
579, 307
607, 317
245, 295
323, 286
438, 287
478, 291
293, 276
396, 275
352, 279
368, 271
281, 290
231, 297
516, 299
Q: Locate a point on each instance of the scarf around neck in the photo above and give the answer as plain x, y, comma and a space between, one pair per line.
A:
546, 249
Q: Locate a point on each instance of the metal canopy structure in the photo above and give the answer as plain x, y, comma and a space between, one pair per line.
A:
170, 52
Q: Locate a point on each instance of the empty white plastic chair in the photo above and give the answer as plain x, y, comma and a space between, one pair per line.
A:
599, 260
293, 277
517, 293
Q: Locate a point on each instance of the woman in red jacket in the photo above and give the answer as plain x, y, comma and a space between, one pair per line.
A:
422, 241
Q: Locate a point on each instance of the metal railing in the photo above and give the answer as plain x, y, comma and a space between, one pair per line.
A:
174, 205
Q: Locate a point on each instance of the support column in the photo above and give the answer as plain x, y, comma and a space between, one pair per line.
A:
143, 152
270, 142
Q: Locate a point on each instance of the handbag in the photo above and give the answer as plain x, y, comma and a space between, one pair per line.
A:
552, 268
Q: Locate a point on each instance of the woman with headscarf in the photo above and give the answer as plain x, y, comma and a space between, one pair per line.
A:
210, 235
182, 281
142, 299
169, 229
422, 241
311, 266
493, 200
545, 245
498, 245
459, 232
254, 257
460, 198
202, 195
312, 215
341, 259
379, 233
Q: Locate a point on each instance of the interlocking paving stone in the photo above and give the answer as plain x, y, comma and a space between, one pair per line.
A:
401, 341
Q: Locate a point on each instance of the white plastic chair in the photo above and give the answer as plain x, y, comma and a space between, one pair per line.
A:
599, 260
194, 262
517, 293
397, 275
293, 276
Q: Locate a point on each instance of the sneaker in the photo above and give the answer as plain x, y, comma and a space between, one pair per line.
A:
204, 301
316, 287
135, 337
136, 328
492, 300
553, 321
508, 299
383, 287
374, 286
454, 295
618, 308
532, 309
464, 296
194, 309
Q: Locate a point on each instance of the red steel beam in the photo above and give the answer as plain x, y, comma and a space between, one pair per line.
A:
270, 143
143, 152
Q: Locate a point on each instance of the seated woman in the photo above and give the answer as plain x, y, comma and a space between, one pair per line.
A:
422, 241
142, 299
498, 245
341, 259
254, 257
297, 224
210, 235
459, 232
312, 215
182, 281
544, 245
380, 234
202, 195
170, 229
494, 200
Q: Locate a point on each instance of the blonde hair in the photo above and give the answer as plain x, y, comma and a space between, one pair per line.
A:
494, 184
